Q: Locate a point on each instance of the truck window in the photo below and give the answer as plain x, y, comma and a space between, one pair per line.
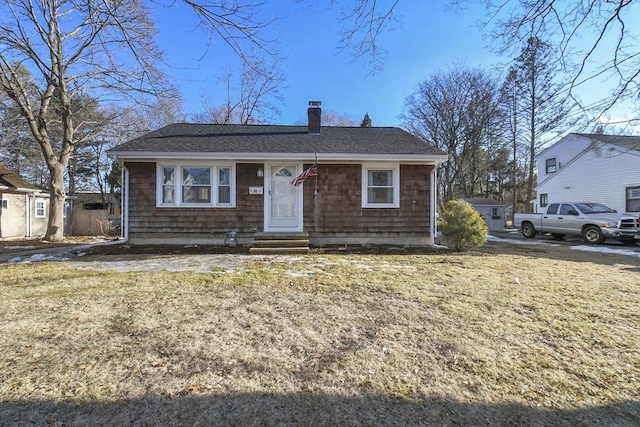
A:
553, 208
565, 209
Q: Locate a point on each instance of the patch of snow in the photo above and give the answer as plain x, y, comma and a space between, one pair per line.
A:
491, 238
606, 250
38, 258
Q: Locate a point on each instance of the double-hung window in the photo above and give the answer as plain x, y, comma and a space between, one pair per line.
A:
550, 165
633, 199
380, 186
196, 185
40, 209
544, 200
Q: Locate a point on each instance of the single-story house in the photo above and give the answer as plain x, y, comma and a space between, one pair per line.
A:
590, 168
193, 183
24, 208
491, 210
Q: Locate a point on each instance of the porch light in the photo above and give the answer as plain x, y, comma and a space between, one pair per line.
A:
260, 173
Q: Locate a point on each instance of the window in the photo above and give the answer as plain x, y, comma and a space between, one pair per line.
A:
4, 204
40, 209
567, 209
633, 199
553, 208
550, 165
380, 186
544, 200
196, 185
168, 184
224, 185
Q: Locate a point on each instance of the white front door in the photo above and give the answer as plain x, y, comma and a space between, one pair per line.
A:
284, 205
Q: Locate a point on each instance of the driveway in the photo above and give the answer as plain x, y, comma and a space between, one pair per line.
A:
607, 246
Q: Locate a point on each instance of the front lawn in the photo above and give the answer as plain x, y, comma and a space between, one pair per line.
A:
487, 338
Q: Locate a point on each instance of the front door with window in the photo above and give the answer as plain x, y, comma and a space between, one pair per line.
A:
283, 204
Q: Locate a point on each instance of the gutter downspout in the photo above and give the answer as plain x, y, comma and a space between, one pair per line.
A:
27, 214
124, 204
433, 197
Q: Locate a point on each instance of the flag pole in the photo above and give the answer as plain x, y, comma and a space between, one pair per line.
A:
315, 193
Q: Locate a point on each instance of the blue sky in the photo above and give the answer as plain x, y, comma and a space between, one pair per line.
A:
432, 36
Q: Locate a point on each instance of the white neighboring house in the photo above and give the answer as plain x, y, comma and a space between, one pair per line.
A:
24, 208
593, 168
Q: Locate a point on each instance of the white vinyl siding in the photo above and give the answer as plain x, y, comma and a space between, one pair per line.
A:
588, 174
13, 213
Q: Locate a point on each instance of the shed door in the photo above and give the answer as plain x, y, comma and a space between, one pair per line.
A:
283, 210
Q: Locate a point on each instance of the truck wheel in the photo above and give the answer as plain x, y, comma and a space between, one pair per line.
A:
557, 236
528, 231
592, 235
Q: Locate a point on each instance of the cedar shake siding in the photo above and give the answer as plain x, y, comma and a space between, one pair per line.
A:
190, 224
334, 215
337, 212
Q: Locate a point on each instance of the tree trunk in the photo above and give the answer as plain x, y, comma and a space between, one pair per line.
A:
55, 228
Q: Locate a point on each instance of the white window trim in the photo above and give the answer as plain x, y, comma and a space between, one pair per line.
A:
395, 168
44, 209
555, 165
178, 167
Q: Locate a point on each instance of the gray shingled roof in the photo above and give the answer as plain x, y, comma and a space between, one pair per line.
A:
13, 180
209, 138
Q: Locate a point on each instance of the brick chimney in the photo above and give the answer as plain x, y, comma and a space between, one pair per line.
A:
314, 114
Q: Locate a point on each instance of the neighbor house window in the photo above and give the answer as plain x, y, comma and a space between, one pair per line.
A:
4, 204
196, 185
380, 186
633, 199
550, 165
40, 209
544, 200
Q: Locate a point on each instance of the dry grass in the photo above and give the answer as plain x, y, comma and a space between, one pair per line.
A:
474, 339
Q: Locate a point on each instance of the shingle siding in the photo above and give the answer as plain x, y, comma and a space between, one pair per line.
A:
335, 211
146, 220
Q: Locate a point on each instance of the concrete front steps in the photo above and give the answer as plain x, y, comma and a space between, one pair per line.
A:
280, 243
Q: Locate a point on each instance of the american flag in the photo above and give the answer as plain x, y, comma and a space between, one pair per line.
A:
311, 171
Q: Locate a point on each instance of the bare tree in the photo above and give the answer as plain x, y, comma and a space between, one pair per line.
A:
72, 47
239, 24
458, 112
608, 28
364, 22
332, 118
252, 98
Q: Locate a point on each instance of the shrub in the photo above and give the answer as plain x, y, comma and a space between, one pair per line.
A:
462, 226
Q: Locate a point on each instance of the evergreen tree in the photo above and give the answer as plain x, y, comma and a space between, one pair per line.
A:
541, 108
366, 121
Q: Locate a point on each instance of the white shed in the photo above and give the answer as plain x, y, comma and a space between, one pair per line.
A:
492, 211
